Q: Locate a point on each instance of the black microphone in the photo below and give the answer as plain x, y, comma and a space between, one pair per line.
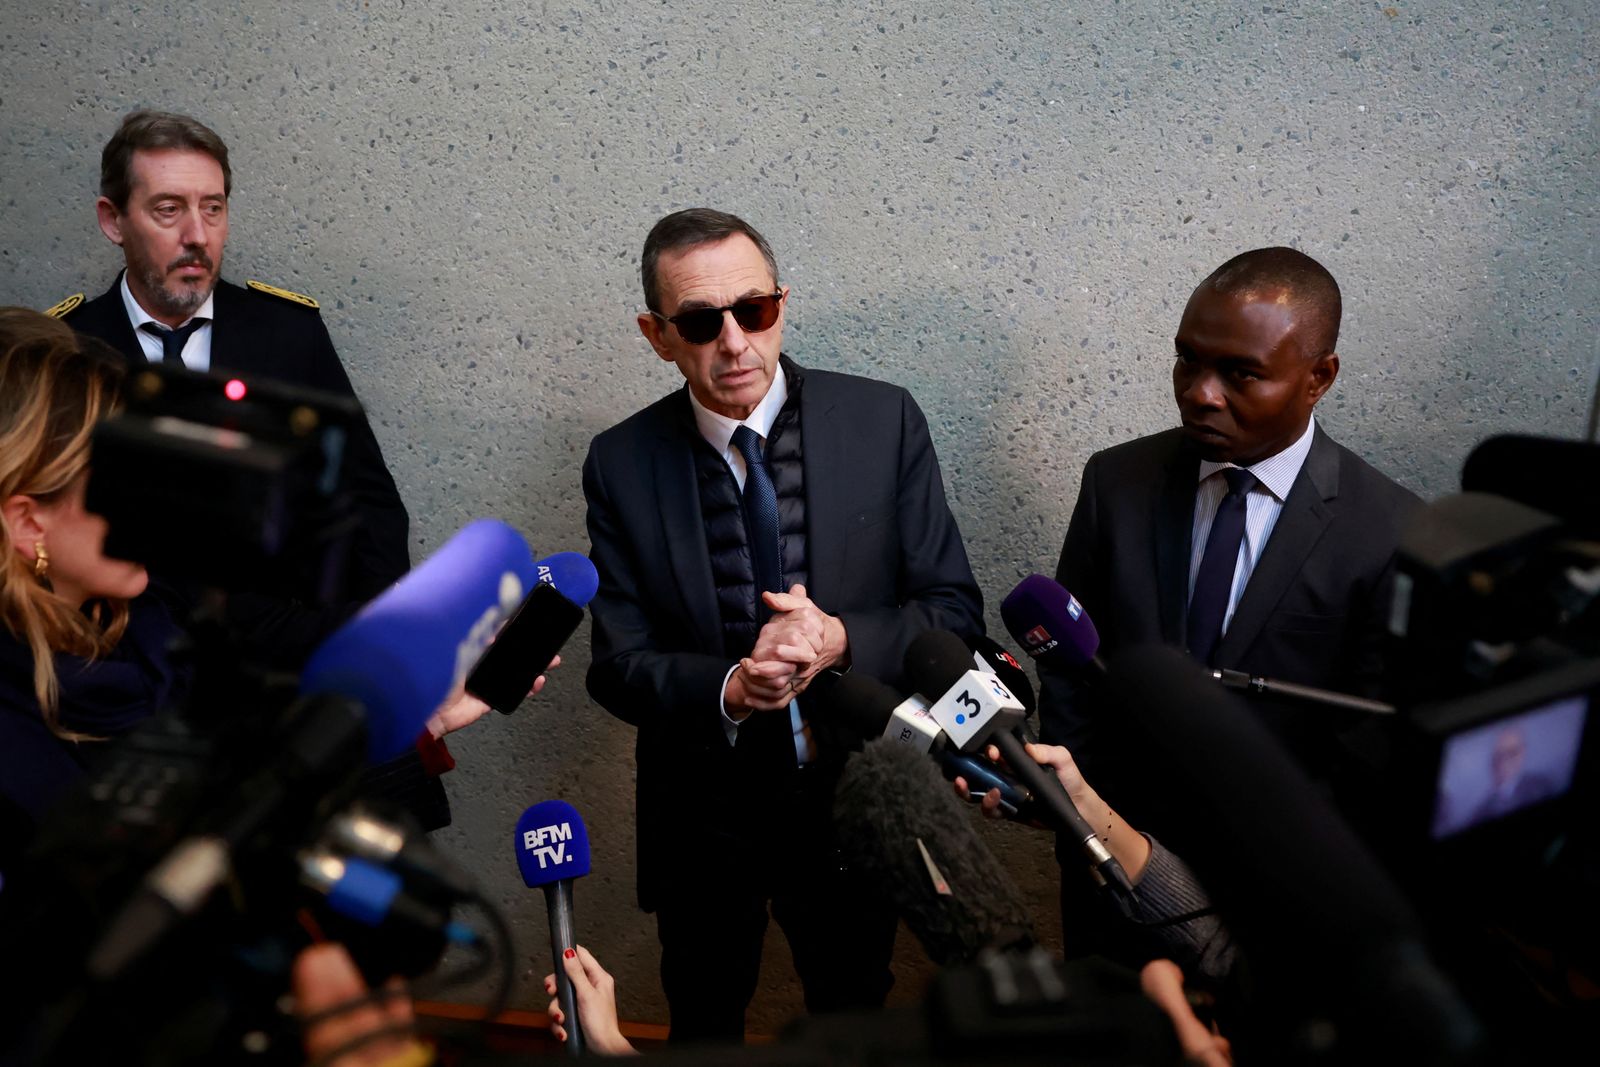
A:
869, 709
903, 830
1306, 897
975, 709
991, 655
1306, 694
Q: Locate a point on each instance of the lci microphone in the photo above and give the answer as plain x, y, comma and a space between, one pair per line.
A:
552, 850
1051, 626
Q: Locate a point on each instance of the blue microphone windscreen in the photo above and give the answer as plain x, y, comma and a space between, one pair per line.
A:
552, 844
1049, 623
403, 653
572, 574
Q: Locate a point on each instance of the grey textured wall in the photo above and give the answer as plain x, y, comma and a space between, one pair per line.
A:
1001, 206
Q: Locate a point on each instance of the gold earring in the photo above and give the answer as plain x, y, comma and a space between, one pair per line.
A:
41, 560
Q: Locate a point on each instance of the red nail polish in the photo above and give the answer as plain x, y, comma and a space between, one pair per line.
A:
569, 953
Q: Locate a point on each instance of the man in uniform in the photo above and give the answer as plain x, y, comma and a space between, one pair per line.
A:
165, 183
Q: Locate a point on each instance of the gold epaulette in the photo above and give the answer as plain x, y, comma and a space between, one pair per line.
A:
66, 307
273, 290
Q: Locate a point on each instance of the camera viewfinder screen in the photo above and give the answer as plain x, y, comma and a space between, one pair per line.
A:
1510, 764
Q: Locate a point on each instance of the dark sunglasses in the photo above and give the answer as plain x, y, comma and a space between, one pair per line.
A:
704, 325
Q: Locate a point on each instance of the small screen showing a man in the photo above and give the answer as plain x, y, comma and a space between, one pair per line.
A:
1511, 764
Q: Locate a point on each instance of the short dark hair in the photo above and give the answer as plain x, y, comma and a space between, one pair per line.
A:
688, 229
1311, 289
151, 131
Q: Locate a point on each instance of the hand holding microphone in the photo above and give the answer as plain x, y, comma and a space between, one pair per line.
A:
975, 709
596, 994
553, 849
1130, 847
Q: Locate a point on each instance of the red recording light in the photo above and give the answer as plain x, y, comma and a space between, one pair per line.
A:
234, 390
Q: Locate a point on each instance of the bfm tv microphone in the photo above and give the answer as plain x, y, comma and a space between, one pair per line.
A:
1057, 631
403, 653
871, 709
903, 830
526, 644
553, 849
975, 709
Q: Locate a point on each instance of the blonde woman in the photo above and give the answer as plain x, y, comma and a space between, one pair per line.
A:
82, 644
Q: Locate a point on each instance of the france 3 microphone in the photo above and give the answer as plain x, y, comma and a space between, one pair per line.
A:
975, 709
526, 644
552, 850
869, 709
371, 685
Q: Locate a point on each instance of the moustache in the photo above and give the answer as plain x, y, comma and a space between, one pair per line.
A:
195, 260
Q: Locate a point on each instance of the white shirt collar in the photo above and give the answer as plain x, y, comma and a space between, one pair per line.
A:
1275, 473
718, 429
139, 316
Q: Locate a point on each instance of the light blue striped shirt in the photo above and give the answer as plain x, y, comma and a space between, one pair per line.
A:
1275, 476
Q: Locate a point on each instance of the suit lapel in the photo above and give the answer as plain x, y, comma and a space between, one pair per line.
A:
827, 535
106, 317
1174, 528
1300, 526
683, 527
234, 338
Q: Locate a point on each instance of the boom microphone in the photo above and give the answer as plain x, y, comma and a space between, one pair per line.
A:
905, 832
975, 709
553, 849
402, 654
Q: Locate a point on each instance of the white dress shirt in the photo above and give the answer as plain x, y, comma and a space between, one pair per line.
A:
196, 351
718, 432
1275, 476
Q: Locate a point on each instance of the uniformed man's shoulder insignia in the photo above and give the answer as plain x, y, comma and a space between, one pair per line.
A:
66, 307
273, 290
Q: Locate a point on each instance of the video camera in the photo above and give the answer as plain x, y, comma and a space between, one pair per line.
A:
159, 906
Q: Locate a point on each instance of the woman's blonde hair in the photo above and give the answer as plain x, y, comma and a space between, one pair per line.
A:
54, 387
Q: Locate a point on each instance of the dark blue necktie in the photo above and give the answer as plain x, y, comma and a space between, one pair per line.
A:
1214, 581
761, 513
172, 341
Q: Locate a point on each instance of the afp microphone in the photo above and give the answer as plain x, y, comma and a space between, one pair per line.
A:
553, 849
403, 653
975, 709
526, 644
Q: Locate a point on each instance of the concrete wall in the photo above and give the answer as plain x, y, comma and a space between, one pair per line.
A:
1001, 206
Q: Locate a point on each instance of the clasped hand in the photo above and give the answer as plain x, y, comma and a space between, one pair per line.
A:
798, 642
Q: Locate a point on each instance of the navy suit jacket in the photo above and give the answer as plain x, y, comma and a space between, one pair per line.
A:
883, 554
1314, 610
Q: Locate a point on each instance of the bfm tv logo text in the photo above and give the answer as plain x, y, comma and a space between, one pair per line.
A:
548, 844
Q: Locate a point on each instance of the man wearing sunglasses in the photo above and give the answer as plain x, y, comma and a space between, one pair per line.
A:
756, 533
